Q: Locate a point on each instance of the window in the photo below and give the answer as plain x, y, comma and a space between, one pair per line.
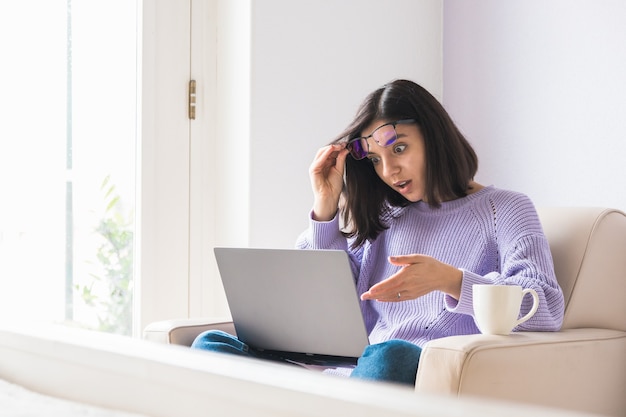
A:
98, 157
67, 162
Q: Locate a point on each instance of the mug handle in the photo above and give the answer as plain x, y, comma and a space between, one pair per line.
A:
532, 310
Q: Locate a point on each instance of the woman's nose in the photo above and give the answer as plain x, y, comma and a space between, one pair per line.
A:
390, 167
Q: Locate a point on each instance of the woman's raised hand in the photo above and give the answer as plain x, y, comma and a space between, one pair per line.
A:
418, 276
326, 173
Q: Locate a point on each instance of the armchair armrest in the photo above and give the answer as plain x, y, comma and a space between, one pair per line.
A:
184, 331
559, 369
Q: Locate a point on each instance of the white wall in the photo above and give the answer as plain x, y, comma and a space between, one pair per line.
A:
311, 64
539, 88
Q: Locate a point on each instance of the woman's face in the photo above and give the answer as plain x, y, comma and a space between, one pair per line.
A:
401, 165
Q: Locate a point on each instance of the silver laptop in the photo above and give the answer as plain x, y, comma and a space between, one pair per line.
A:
301, 305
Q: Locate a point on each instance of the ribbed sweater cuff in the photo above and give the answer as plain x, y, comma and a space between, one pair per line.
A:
465, 303
325, 235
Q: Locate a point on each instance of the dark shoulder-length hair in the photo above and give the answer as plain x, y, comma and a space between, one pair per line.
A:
451, 163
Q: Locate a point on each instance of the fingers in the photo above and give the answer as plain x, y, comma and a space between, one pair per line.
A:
387, 290
326, 173
326, 151
331, 156
418, 275
404, 260
402, 285
342, 155
388, 298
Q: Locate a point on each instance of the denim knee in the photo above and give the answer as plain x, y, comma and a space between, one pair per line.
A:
392, 361
219, 341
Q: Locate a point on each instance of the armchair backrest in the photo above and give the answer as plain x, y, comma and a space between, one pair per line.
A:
588, 246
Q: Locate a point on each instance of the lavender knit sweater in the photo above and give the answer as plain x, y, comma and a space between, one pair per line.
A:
494, 236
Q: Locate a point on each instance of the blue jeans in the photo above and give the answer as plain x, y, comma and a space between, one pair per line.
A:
391, 361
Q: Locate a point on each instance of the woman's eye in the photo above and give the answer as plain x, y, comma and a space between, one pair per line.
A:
399, 148
374, 159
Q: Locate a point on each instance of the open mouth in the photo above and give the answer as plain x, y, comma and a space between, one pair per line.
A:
402, 184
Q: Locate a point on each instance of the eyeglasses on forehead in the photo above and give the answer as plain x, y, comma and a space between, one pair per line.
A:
384, 135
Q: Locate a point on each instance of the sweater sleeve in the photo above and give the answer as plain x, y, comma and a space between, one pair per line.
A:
322, 235
525, 260
328, 236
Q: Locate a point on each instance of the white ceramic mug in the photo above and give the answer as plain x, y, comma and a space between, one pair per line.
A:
497, 307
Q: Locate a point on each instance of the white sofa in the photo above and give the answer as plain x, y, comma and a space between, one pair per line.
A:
582, 367
77, 370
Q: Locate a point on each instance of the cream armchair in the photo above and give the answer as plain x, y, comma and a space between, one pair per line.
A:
582, 367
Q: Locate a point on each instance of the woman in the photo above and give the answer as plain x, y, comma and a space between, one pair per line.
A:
396, 191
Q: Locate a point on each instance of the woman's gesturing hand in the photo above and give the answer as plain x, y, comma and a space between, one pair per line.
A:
419, 275
326, 173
